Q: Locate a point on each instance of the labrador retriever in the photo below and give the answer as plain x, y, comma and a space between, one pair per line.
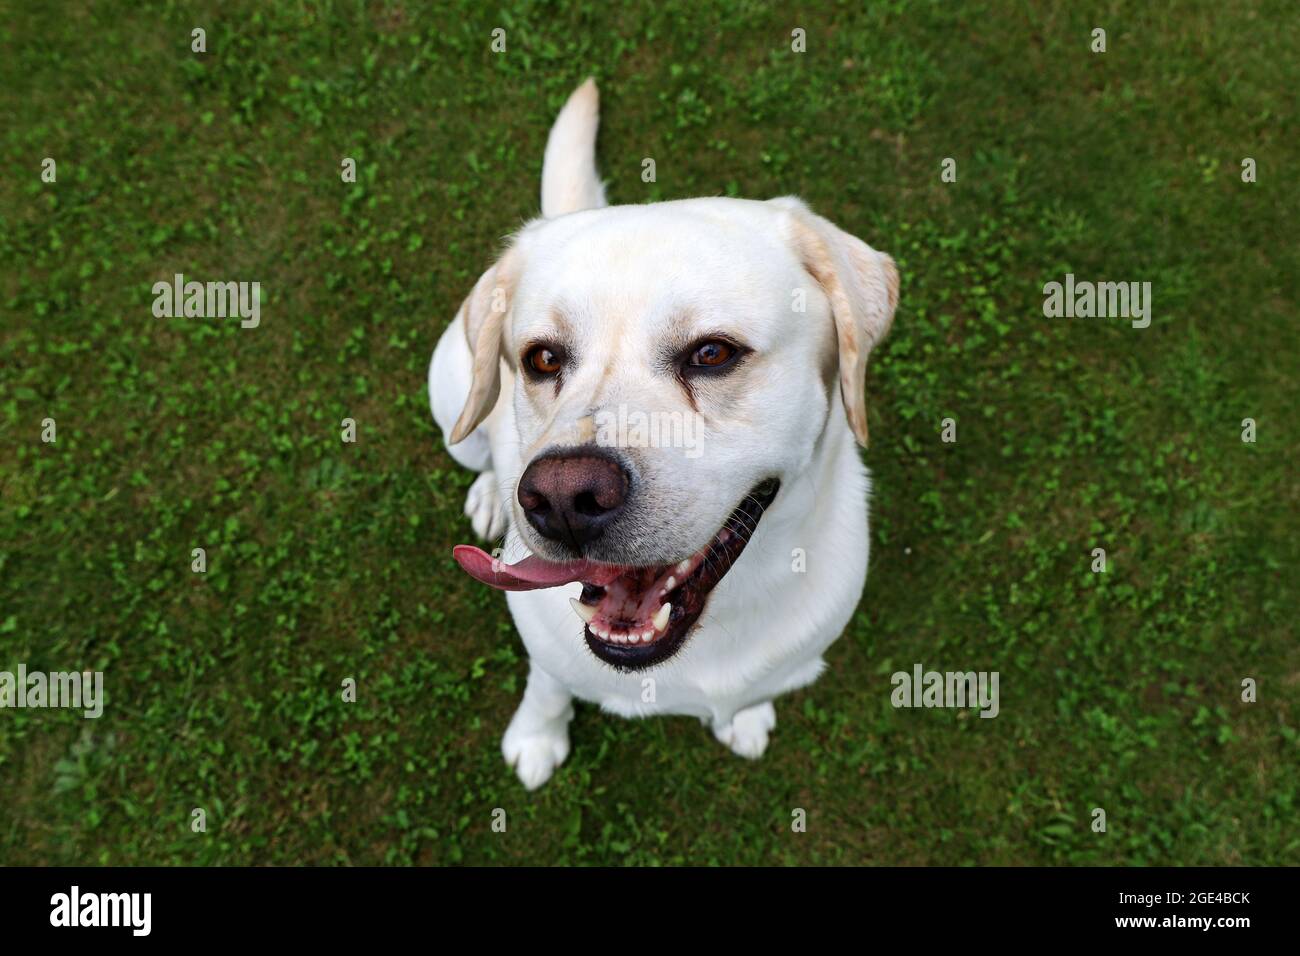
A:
650, 395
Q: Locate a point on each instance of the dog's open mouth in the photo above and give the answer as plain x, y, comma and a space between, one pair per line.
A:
634, 616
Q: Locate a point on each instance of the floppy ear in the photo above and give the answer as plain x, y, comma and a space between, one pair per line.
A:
483, 314
862, 286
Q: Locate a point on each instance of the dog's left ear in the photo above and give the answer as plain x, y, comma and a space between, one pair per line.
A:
862, 286
484, 315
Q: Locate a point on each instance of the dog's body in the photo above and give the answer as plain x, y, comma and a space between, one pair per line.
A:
607, 291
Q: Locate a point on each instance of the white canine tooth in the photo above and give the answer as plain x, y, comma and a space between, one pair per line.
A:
661, 618
684, 566
584, 611
671, 583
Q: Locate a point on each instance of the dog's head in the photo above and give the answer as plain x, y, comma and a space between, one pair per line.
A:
674, 364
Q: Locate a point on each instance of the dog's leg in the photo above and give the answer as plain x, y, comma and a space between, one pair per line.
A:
484, 507
449, 379
537, 740
746, 733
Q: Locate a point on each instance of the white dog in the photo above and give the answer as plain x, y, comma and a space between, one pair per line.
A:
705, 574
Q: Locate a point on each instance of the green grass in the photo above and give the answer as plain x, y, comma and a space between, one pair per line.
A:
328, 561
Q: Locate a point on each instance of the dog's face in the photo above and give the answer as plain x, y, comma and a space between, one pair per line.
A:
667, 336
674, 364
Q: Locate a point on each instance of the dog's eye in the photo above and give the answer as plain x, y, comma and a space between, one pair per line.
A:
712, 354
543, 360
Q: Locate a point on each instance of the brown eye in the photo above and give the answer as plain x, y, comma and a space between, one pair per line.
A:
543, 360
712, 354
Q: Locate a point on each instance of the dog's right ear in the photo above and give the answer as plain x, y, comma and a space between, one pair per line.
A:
483, 314
862, 286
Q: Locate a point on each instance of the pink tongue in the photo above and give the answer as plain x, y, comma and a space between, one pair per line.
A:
532, 572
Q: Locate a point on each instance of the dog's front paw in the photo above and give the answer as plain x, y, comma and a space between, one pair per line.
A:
535, 753
483, 507
747, 733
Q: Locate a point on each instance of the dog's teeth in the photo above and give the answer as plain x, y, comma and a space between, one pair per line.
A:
670, 584
633, 637
661, 618
684, 566
601, 633
584, 611
619, 638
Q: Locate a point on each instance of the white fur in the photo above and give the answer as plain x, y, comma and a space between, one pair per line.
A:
569, 179
622, 276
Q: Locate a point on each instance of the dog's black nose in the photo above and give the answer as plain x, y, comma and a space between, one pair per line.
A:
573, 497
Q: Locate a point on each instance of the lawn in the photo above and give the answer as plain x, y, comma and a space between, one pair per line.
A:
329, 560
